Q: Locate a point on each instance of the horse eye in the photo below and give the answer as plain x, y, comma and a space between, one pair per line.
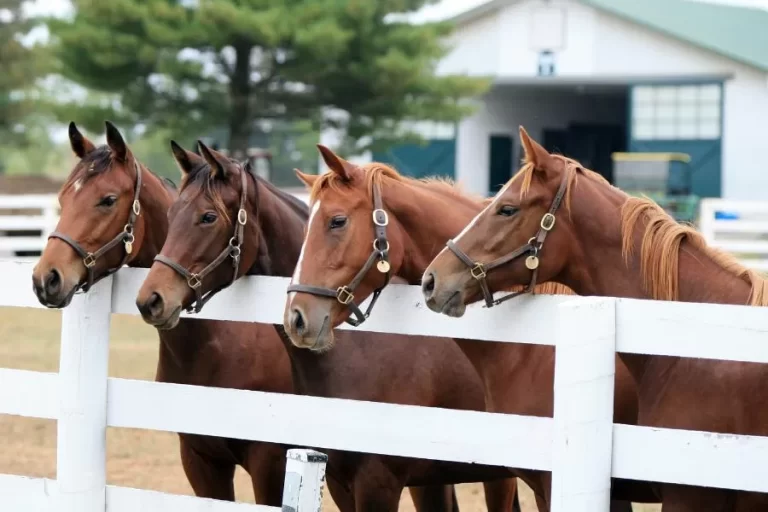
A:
208, 218
508, 210
108, 201
338, 222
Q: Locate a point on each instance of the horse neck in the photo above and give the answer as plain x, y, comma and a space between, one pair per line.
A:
425, 219
155, 200
597, 266
280, 227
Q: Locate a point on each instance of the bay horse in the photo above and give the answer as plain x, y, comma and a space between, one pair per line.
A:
421, 215
219, 197
594, 231
111, 200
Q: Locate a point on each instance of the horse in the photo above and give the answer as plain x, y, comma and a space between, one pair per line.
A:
225, 209
421, 215
113, 212
591, 247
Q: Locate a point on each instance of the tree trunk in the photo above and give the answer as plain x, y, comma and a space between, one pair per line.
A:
239, 92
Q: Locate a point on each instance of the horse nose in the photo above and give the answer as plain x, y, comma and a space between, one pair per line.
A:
428, 285
52, 283
298, 323
152, 307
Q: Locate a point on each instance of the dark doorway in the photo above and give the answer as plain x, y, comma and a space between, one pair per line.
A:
500, 161
590, 144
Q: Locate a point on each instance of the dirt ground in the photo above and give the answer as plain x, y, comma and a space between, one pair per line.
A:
29, 339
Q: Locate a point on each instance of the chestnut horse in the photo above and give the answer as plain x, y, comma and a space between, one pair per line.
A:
422, 215
110, 200
220, 197
592, 246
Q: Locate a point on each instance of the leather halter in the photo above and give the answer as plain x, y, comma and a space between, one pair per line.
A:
480, 270
345, 294
125, 237
195, 280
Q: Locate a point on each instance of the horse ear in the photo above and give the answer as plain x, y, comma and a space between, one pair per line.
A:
336, 163
80, 144
534, 152
307, 179
218, 162
116, 142
186, 160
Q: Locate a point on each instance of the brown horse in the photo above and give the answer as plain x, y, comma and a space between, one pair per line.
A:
219, 197
97, 205
592, 249
422, 216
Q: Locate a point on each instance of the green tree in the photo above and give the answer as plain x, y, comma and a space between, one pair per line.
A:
21, 66
186, 65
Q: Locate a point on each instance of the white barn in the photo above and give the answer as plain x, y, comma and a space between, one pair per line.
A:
593, 77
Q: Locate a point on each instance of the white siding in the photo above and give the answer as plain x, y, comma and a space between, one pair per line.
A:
475, 48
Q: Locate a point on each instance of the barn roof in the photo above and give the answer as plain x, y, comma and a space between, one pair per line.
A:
739, 33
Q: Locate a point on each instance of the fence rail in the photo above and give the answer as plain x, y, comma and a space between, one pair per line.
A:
739, 227
26, 233
585, 331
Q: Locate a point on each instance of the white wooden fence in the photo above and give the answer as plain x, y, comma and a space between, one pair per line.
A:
738, 227
580, 444
41, 223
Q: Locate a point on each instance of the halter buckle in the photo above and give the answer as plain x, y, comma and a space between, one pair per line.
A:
194, 282
478, 271
379, 213
343, 295
376, 246
242, 217
547, 222
89, 260
136, 207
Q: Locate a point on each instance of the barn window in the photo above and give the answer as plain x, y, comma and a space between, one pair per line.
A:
676, 112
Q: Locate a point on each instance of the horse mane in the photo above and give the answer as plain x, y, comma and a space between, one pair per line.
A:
377, 173
660, 251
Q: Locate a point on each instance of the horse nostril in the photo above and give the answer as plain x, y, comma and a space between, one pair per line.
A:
52, 282
155, 304
298, 324
428, 285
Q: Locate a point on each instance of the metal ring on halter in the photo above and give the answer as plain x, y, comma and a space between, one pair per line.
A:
385, 216
242, 217
129, 238
343, 295
89, 260
478, 271
235, 251
376, 246
194, 282
136, 207
547, 222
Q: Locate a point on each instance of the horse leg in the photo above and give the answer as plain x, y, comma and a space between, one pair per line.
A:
208, 478
266, 464
434, 498
376, 488
501, 495
685, 498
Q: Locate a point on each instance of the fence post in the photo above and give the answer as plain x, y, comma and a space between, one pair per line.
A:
304, 481
82, 425
583, 413
707, 220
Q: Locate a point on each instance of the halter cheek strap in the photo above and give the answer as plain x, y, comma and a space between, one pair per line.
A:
379, 256
195, 280
125, 237
479, 271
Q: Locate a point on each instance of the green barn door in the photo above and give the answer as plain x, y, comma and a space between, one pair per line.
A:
500, 162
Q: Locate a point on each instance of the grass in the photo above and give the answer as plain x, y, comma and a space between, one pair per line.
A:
29, 340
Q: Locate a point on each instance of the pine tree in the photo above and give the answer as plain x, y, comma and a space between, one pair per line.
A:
188, 64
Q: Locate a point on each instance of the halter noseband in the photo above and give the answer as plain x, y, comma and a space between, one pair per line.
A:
479, 271
345, 294
125, 237
232, 250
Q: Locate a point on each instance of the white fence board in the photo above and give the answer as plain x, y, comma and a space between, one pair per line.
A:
22, 223
430, 433
22, 494
29, 394
31, 201
125, 499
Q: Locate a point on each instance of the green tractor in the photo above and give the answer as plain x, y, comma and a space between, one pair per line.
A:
662, 177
